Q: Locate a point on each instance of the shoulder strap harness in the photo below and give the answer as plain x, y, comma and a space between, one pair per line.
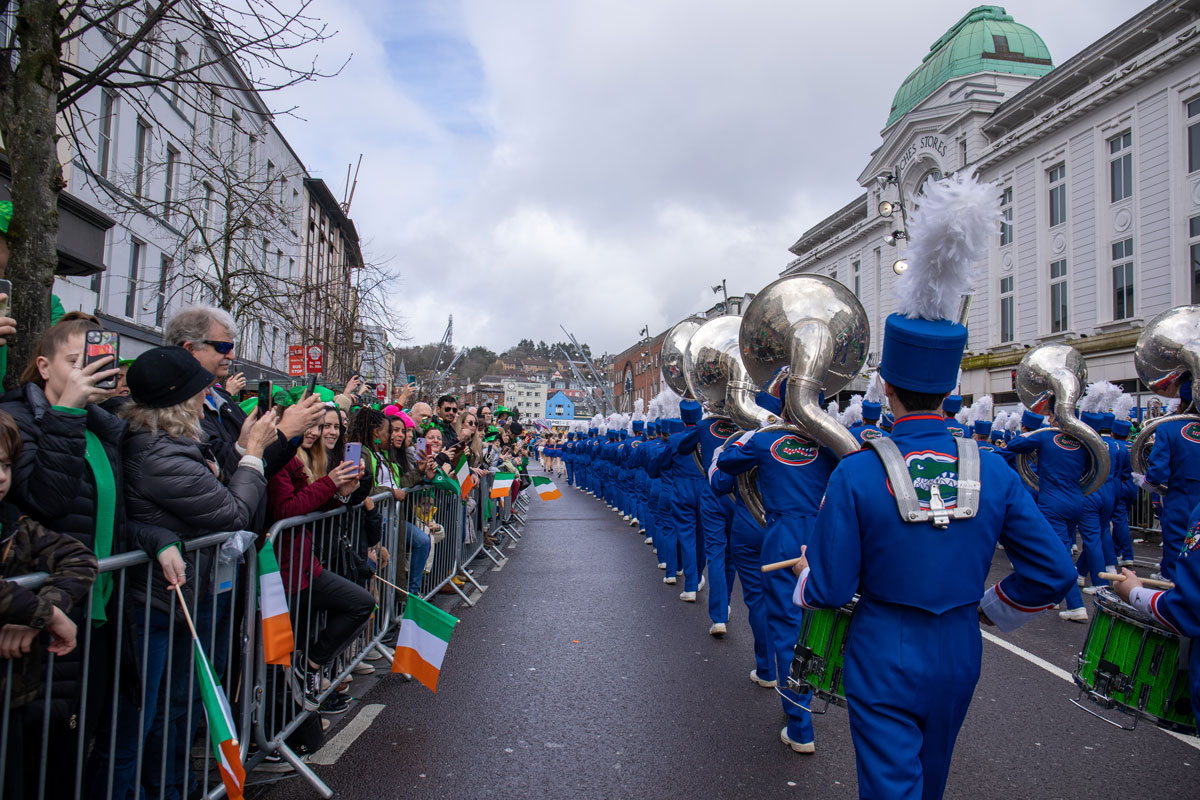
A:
907, 502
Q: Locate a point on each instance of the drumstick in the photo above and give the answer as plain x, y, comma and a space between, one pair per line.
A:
791, 562
1153, 584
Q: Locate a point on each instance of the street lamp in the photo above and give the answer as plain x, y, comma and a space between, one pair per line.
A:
724, 293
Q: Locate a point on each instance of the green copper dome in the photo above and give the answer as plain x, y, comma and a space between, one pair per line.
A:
985, 40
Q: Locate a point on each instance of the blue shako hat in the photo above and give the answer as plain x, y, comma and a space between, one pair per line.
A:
952, 404
871, 411
982, 427
1106, 421
690, 411
1091, 419
674, 425
886, 422
1122, 428
951, 231
638, 426
1032, 421
769, 402
623, 435
652, 428
999, 435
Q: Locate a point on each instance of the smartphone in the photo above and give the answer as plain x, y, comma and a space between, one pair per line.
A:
6, 305
100, 345
312, 385
264, 398
422, 446
353, 453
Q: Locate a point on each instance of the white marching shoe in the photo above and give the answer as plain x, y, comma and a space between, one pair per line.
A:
766, 684
687, 597
1074, 615
806, 748
1090, 589
669, 580
716, 629
703, 583
649, 541
662, 565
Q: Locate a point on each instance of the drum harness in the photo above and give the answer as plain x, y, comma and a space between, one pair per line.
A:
967, 504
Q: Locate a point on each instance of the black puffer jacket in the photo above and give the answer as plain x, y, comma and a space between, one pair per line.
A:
169, 484
51, 480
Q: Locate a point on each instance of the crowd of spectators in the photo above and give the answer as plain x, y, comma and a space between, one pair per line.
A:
99, 458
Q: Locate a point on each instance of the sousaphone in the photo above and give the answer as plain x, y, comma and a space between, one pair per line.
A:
1051, 377
816, 331
1166, 354
674, 371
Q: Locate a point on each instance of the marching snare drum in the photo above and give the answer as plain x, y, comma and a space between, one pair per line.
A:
1133, 664
820, 657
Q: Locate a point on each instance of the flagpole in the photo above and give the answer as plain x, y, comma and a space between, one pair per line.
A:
389, 583
186, 615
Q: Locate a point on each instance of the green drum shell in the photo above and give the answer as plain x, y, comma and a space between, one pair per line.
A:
825, 631
1153, 683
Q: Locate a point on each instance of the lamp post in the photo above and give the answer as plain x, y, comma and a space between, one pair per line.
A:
887, 208
725, 294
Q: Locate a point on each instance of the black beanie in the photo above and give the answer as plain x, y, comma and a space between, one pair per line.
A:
166, 376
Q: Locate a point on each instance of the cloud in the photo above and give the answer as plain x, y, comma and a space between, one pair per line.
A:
602, 165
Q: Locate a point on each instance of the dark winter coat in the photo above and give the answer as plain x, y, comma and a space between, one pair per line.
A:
170, 485
291, 495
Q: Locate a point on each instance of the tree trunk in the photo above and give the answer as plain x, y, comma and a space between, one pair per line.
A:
31, 139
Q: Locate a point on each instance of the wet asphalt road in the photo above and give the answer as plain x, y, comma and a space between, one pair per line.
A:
579, 674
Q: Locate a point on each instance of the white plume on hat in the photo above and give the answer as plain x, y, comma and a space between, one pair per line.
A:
875, 390
853, 414
1099, 397
1172, 405
639, 409
1123, 405
667, 403
950, 232
981, 410
1014, 419
832, 409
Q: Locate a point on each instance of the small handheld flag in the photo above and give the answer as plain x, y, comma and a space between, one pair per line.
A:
502, 485
278, 642
545, 488
422, 641
466, 479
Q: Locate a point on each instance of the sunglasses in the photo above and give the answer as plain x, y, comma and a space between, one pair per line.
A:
224, 348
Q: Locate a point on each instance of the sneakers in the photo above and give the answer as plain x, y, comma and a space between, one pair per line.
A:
334, 704
1090, 589
806, 748
662, 565
363, 668
306, 684
669, 580
1126, 562
687, 597
1157, 576
703, 581
1081, 581
1074, 615
716, 629
763, 682
649, 540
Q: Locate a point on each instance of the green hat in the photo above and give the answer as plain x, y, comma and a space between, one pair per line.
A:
6, 209
248, 405
281, 398
296, 393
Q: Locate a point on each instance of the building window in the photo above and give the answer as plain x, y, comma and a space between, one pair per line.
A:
180, 67
1006, 217
214, 111
962, 152
1006, 309
169, 188
1120, 166
1058, 296
206, 207
1122, 272
857, 279
833, 274
140, 154
1194, 235
104, 151
1193, 135
164, 281
136, 252
1057, 177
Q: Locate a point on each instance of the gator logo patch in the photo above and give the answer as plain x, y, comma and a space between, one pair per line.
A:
927, 469
794, 451
1192, 542
1191, 432
1067, 442
871, 433
723, 428
957, 433
636, 443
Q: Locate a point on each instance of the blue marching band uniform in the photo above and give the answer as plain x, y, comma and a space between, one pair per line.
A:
913, 652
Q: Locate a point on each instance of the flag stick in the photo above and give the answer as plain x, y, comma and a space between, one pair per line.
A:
186, 615
389, 583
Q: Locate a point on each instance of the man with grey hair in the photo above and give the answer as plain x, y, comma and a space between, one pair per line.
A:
208, 333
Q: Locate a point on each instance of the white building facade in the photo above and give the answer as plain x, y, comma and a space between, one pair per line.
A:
1098, 162
528, 397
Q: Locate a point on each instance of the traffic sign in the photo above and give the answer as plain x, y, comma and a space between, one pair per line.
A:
313, 359
296, 360
381, 391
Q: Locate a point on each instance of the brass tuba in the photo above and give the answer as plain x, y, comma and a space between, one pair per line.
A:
816, 330
1167, 353
1055, 374
672, 363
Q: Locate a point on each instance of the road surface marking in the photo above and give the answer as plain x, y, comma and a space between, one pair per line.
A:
339, 744
1059, 672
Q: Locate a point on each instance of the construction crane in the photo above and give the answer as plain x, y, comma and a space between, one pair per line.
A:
606, 391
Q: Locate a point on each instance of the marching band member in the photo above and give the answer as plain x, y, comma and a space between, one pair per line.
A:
686, 479
1125, 492
914, 647
869, 429
951, 406
715, 519
1174, 472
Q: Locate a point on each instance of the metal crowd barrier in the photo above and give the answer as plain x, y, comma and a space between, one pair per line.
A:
87, 733
1141, 515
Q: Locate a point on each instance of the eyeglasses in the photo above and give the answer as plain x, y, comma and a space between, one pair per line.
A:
224, 348
470, 422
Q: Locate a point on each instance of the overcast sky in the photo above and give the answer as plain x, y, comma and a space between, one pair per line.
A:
602, 164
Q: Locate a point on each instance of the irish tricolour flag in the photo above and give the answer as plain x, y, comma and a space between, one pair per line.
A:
277, 640
545, 488
221, 731
466, 481
421, 644
502, 485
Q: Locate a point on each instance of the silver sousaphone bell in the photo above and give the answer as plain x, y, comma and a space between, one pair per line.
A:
816, 330
1166, 354
672, 362
1052, 377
